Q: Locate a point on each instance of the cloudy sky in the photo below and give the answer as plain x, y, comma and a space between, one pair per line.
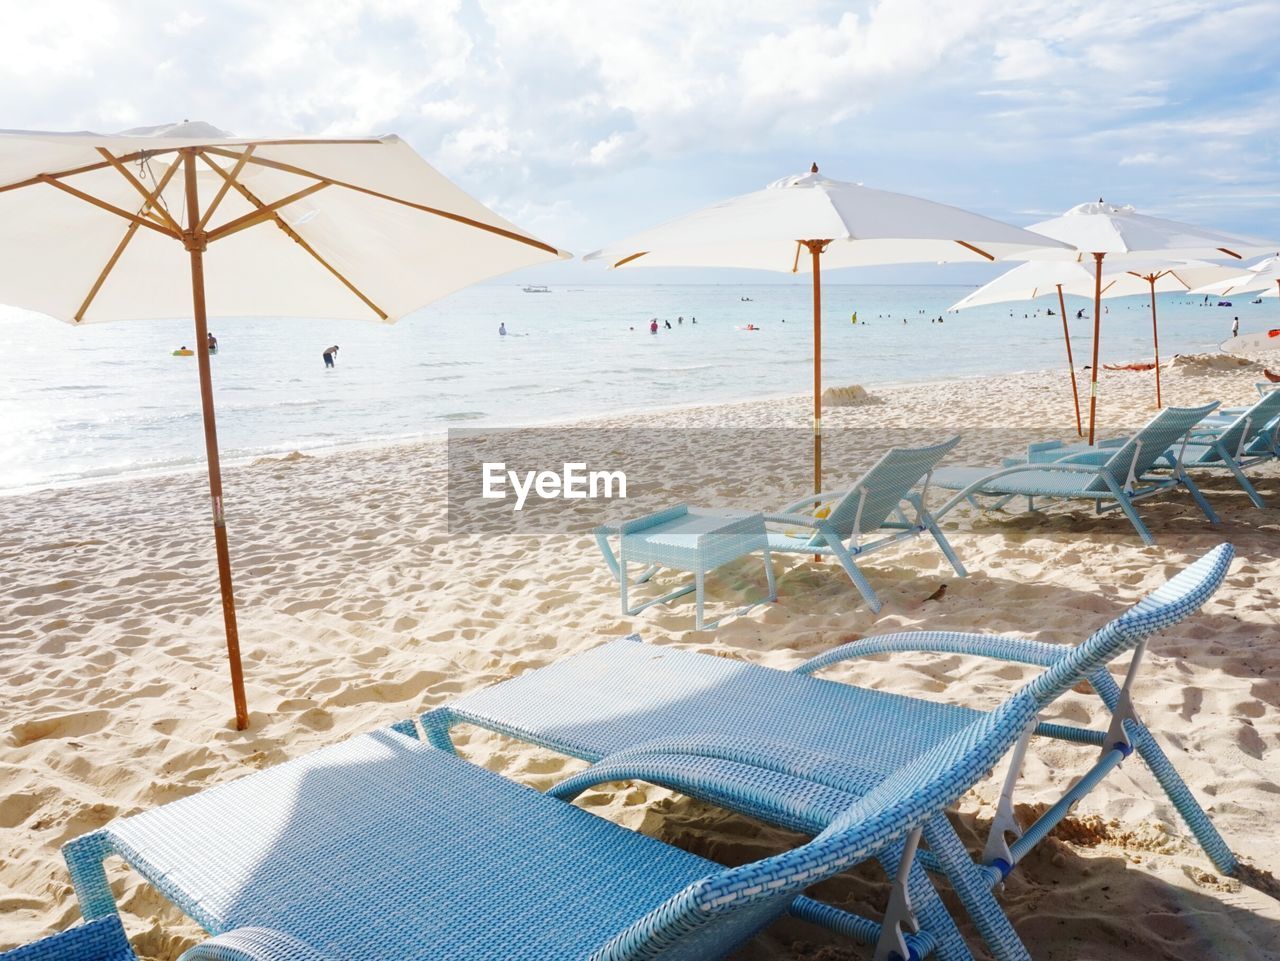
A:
584, 121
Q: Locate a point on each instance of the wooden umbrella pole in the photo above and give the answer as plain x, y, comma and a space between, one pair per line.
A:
195, 240
1071, 364
1155, 336
815, 250
1097, 323
816, 247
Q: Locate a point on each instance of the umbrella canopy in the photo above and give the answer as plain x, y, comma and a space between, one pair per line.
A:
1128, 278
1120, 232
184, 220
1044, 278
1263, 276
809, 222
91, 224
862, 227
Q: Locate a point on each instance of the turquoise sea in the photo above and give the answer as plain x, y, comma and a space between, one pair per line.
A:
109, 400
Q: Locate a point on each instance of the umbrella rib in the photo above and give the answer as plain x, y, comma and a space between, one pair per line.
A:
157, 151
264, 212
138, 186
124, 241
226, 185
110, 208
627, 260
1231, 253
976, 250
458, 218
294, 236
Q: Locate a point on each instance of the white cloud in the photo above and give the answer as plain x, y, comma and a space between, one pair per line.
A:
1007, 106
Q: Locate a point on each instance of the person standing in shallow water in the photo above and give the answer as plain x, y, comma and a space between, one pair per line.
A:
502, 328
1235, 327
330, 355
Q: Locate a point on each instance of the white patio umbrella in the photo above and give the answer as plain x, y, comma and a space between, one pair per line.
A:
110, 227
1263, 276
1042, 278
838, 224
1102, 229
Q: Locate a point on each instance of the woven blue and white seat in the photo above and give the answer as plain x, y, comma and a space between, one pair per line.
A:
384, 848
1111, 477
626, 702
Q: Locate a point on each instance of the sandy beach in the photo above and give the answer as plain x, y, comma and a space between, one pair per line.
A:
359, 608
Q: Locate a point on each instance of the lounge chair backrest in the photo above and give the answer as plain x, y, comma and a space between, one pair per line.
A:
738, 897
881, 489
1141, 451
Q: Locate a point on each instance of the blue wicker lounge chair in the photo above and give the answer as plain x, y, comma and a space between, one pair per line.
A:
1232, 441
835, 524
384, 847
100, 940
1111, 477
638, 710
1249, 438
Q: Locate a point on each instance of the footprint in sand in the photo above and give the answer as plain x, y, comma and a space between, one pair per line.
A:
78, 724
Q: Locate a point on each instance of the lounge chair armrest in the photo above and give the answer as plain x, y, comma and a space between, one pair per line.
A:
253, 944
808, 500
1094, 457
781, 757
996, 646
721, 783
731, 775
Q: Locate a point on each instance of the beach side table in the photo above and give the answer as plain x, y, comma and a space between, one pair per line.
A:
685, 539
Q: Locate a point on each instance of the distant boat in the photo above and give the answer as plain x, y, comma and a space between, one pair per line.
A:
537, 289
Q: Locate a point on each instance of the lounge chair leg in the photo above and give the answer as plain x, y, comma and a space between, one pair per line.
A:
435, 725
648, 573
1246, 484
699, 580
1200, 501
899, 914
931, 912
769, 576
610, 559
84, 858
1127, 506
1175, 788
859, 579
973, 887
945, 545
1005, 822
